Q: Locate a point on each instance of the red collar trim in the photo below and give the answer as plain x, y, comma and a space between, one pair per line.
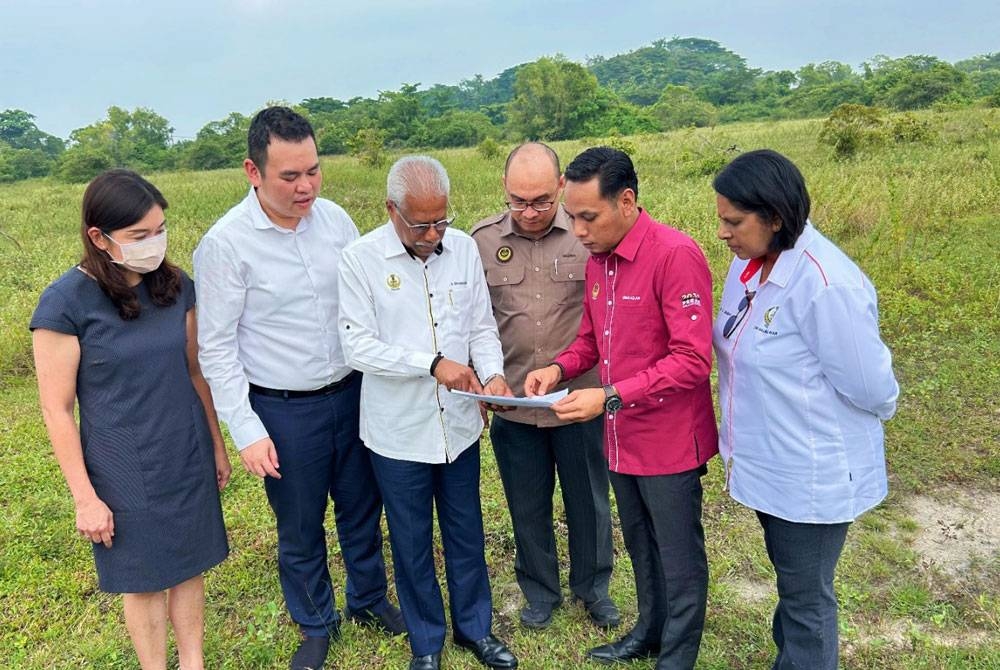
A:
751, 269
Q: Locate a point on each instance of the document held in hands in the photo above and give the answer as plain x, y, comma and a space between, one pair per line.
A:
506, 401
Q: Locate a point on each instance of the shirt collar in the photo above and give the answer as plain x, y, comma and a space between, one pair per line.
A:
628, 247
788, 259
560, 221
263, 222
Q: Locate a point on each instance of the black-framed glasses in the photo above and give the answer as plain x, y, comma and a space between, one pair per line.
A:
439, 226
741, 313
538, 205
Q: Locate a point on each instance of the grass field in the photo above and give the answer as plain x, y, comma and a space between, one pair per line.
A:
923, 220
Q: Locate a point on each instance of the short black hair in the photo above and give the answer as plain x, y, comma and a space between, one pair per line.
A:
769, 185
612, 167
281, 122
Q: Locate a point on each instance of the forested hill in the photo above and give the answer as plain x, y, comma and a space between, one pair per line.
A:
668, 84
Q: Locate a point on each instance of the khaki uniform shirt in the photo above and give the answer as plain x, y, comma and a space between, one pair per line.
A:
536, 287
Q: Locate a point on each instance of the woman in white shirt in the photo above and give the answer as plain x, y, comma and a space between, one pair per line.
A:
804, 384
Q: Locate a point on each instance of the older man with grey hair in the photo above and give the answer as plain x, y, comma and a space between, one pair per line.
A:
414, 311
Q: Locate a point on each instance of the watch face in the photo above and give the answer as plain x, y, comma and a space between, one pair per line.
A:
613, 404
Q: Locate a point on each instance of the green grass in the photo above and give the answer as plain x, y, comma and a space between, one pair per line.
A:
922, 220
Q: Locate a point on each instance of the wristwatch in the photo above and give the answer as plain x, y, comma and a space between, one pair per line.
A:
612, 401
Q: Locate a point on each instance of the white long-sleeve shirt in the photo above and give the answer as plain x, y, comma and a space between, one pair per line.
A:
396, 314
804, 384
267, 307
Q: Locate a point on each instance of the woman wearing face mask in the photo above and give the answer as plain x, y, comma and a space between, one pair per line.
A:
117, 334
804, 384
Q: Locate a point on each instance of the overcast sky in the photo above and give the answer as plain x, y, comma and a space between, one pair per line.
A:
67, 61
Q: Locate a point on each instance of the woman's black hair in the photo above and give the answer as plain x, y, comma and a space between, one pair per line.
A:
769, 185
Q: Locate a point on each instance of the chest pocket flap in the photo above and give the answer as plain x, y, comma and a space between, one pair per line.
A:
504, 276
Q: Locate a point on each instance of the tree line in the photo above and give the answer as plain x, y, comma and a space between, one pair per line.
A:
669, 84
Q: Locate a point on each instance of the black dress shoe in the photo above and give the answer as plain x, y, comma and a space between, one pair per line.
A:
428, 662
311, 654
387, 619
603, 612
490, 651
624, 650
537, 615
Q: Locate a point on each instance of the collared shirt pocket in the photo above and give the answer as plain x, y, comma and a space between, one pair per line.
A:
568, 280
636, 325
507, 292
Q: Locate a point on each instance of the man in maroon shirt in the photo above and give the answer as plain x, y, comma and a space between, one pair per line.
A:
647, 325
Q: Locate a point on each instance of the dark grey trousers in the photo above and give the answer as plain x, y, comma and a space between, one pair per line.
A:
528, 458
804, 556
661, 523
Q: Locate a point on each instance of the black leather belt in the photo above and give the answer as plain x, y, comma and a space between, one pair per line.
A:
326, 390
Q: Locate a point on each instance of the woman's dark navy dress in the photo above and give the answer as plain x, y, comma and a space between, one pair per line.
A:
145, 437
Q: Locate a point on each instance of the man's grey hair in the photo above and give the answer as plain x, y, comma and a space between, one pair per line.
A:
416, 175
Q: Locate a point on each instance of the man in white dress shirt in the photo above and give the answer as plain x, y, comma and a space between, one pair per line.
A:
414, 311
266, 278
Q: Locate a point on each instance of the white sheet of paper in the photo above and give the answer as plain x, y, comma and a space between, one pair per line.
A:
504, 401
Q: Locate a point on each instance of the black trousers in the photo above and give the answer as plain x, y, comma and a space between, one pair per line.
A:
528, 458
661, 523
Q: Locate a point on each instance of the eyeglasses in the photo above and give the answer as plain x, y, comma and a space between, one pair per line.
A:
538, 205
439, 226
741, 313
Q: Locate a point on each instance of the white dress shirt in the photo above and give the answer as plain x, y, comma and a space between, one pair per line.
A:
267, 307
804, 385
396, 313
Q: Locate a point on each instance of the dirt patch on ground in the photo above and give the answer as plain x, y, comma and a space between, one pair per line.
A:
903, 634
753, 590
956, 527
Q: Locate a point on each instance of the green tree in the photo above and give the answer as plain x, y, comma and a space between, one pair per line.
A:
399, 114
138, 139
913, 82
679, 107
219, 144
457, 128
18, 131
554, 100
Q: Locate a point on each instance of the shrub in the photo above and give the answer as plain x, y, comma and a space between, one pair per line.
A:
489, 149
850, 128
908, 128
82, 163
621, 143
368, 145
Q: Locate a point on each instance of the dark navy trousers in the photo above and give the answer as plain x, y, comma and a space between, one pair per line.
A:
411, 492
321, 457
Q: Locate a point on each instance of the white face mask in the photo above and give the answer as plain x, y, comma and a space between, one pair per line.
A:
142, 256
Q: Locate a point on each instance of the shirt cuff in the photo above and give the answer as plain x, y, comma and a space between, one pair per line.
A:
629, 390
248, 432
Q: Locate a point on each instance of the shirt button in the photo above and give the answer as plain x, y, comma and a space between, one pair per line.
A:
538, 323
539, 350
611, 272
605, 361
538, 296
606, 332
609, 302
505, 279
570, 275
537, 269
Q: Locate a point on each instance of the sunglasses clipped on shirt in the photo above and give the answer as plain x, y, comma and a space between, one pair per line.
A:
741, 313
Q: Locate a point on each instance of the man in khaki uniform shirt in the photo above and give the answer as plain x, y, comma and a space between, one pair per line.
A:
535, 268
